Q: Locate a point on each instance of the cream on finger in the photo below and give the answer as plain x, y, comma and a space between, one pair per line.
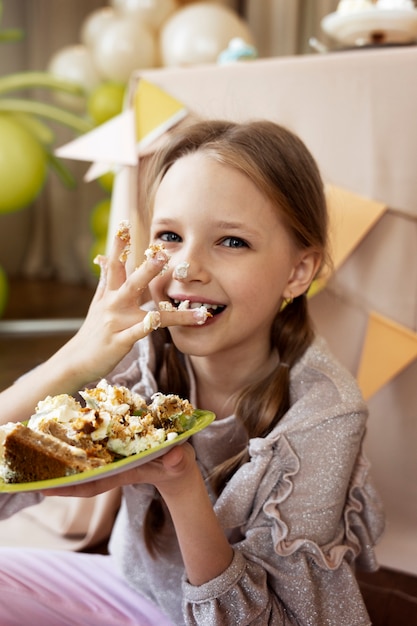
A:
102, 261
158, 257
152, 321
201, 315
123, 233
157, 254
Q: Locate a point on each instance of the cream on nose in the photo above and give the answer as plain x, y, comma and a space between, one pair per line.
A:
181, 270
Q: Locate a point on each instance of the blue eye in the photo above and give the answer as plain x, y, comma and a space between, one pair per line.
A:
169, 237
234, 242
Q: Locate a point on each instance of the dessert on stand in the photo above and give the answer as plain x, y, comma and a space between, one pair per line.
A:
367, 22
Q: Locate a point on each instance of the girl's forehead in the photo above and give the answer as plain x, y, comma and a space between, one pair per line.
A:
203, 162
201, 174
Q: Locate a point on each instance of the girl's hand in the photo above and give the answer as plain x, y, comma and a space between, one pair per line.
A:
205, 549
169, 473
115, 320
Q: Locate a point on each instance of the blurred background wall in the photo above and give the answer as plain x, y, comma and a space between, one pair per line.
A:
52, 237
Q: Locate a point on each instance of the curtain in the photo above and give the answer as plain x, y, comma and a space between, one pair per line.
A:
52, 237
284, 27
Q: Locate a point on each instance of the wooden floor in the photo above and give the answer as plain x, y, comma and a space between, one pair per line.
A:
391, 597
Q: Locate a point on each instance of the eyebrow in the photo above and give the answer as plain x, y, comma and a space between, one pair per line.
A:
225, 225
241, 227
163, 222
233, 225
222, 225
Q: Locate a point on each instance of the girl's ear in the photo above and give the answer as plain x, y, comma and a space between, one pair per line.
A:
303, 273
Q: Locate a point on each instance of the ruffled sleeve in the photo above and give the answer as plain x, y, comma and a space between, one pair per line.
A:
364, 516
325, 505
292, 565
305, 510
333, 528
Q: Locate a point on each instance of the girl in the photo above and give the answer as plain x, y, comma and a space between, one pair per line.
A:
262, 517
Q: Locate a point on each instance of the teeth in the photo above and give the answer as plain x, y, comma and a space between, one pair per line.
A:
183, 305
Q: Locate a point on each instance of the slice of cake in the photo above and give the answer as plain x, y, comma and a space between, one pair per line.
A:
64, 437
29, 456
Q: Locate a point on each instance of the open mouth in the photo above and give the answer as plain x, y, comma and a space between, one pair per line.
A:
183, 305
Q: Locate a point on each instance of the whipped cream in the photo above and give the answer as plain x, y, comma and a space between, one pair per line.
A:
181, 270
156, 252
115, 416
123, 233
63, 409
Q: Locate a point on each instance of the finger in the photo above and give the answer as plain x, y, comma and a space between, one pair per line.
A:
102, 262
116, 267
86, 489
188, 317
154, 264
175, 459
162, 319
152, 320
70, 492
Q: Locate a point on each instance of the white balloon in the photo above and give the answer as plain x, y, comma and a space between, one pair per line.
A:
199, 32
153, 13
123, 46
74, 64
94, 24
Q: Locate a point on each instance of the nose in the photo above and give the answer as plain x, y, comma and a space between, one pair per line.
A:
191, 266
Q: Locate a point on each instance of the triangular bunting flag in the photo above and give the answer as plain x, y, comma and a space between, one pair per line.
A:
112, 142
388, 349
351, 217
155, 112
119, 141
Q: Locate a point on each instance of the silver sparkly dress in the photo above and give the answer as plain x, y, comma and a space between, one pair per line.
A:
301, 514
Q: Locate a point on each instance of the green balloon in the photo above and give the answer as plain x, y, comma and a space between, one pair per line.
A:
106, 101
99, 219
23, 165
98, 247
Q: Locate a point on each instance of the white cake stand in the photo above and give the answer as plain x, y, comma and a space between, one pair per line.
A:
375, 26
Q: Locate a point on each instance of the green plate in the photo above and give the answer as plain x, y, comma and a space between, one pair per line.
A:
203, 419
